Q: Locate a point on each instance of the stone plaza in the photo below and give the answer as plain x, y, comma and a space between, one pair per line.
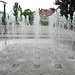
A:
52, 53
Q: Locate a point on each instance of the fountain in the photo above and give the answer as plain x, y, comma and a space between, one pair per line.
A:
23, 26
73, 22
27, 20
28, 53
36, 24
0, 23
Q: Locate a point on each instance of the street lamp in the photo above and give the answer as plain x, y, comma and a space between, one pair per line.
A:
5, 18
4, 3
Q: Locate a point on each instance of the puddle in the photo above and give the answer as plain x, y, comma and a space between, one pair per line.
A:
65, 51
3, 67
20, 60
54, 57
58, 66
49, 48
25, 74
5, 52
61, 73
37, 51
71, 58
15, 65
3, 57
37, 57
52, 52
36, 66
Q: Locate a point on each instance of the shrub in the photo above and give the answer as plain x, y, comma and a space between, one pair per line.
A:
44, 23
2, 19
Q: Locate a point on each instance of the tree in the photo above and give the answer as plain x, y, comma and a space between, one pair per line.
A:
31, 17
2, 19
15, 9
29, 13
20, 9
41, 10
26, 12
53, 9
66, 7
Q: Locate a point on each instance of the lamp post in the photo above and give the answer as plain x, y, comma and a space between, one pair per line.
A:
4, 3
5, 30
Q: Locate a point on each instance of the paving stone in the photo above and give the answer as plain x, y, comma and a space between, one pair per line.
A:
43, 58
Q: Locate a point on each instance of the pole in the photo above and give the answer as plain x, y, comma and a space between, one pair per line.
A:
5, 20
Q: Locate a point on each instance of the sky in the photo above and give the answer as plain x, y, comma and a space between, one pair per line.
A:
31, 4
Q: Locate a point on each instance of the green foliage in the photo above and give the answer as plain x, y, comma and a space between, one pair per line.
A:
41, 10
31, 17
15, 9
52, 9
2, 19
20, 9
44, 23
29, 13
1, 12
